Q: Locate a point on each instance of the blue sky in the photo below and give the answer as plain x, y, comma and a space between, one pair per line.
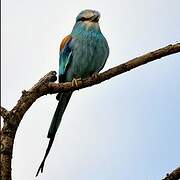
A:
125, 128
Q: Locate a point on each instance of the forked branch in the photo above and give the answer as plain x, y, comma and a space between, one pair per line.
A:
46, 85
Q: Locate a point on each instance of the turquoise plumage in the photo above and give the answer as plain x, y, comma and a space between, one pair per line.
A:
82, 53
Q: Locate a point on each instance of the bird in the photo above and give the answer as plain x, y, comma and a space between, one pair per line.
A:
83, 53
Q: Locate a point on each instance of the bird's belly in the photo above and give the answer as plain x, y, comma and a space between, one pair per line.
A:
87, 64
88, 58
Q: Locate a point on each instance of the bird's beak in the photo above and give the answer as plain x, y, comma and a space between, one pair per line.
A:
95, 18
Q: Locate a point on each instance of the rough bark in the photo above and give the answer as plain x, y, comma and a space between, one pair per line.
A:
175, 175
12, 119
46, 85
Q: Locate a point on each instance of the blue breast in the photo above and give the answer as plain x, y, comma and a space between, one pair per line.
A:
89, 54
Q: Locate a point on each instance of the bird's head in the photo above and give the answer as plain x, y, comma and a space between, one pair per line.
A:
88, 19
88, 16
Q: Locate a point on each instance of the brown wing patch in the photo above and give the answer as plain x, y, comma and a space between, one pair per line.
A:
65, 41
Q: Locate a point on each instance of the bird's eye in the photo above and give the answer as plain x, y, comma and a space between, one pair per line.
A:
83, 19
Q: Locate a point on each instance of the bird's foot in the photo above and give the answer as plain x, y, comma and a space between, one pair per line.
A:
75, 82
95, 75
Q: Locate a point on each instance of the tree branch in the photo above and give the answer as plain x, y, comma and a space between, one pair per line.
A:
3, 112
141, 60
46, 86
175, 175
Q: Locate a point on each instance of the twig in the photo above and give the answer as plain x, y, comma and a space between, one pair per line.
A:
175, 175
3, 112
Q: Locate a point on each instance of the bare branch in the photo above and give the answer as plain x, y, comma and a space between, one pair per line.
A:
13, 119
3, 112
46, 86
175, 175
141, 60
29, 97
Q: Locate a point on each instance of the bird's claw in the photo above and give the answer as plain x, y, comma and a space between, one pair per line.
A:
95, 75
75, 82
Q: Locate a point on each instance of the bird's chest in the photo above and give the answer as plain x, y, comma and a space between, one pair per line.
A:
88, 56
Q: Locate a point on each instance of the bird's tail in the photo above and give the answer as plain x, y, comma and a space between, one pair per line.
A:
62, 104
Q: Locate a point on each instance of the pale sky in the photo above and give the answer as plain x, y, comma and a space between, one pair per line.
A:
125, 128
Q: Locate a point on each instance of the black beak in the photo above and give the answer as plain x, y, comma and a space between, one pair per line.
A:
95, 18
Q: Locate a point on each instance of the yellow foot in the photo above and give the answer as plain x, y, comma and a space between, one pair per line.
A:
95, 75
75, 82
